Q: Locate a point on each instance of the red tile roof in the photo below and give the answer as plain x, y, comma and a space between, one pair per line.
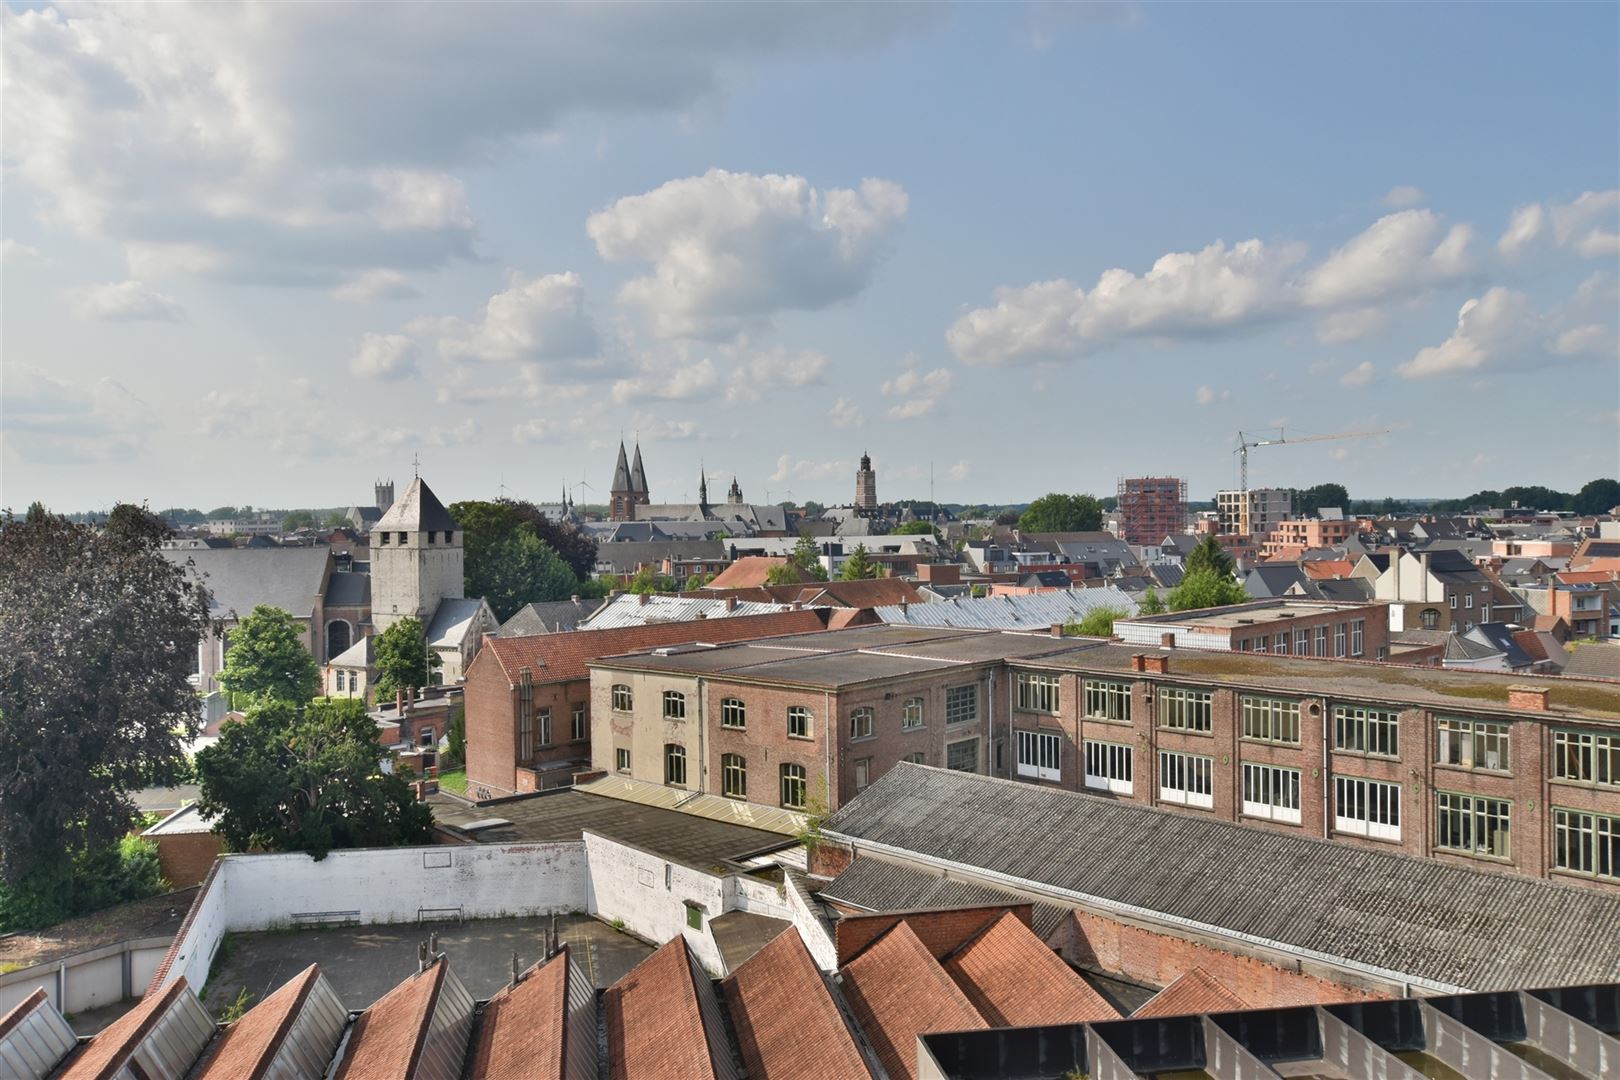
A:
898, 991
785, 1017
521, 1033
108, 1051
942, 930
386, 1042
563, 656
248, 1046
1327, 569
1014, 980
750, 572
654, 1024
1195, 992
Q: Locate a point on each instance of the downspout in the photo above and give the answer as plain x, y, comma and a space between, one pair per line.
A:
1326, 778
829, 731
702, 731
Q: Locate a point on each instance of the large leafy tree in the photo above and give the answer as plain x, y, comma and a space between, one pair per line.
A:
403, 660
1309, 500
98, 636
1151, 603
1057, 512
285, 780
1210, 555
1204, 589
806, 555
509, 563
859, 565
1597, 497
265, 657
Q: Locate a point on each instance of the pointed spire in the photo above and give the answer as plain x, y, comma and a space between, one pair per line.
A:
638, 475
621, 471
703, 487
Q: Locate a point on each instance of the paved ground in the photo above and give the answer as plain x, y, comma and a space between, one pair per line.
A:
365, 962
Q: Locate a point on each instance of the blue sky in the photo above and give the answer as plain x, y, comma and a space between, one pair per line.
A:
265, 254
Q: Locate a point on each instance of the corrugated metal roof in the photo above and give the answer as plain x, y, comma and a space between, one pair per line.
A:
34, 1038
1422, 919
629, 610
1037, 611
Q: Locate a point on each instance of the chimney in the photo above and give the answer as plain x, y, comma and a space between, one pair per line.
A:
1167, 640
731, 603
1424, 560
399, 702
1138, 662
1056, 629
1156, 665
1528, 698
643, 599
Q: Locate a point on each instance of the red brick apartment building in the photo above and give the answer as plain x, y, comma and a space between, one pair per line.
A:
529, 703
1506, 773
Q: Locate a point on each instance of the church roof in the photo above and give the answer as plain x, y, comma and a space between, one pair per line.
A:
621, 471
638, 475
418, 510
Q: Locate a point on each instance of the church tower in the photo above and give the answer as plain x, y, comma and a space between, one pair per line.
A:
383, 495
734, 496
629, 488
417, 559
866, 488
703, 489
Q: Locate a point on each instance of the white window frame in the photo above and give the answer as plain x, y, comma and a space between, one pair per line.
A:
1280, 645
621, 759
623, 699
1186, 779
1269, 719
802, 713
1040, 755
1182, 708
543, 728
581, 726
1037, 692
733, 714
1586, 843
1302, 641
674, 705
862, 722
911, 714
1586, 757
1110, 767
1367, 731
793, 777
1321, 641
1476, 744
1338, 640
1358, 637
733, 765
1108, 701
1374, 808
1271, 792
674, 753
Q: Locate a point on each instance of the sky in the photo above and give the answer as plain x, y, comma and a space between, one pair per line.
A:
268, 253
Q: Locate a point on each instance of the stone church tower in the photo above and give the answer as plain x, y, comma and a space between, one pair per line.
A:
383, 495
416, 559
866, 488
629, 488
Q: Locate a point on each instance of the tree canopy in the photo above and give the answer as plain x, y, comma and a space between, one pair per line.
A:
509, 561
265, 658
403, 661
1099, 622
285, 781
1307, 501
1062, 513
806, 556
1151, 604
859, 566
916, 528
1205, 588
98, 637
1597, 497
646, 581
1210, 555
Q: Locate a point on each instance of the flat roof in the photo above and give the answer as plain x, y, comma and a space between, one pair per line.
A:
564, 816
1248, 614
1396, 683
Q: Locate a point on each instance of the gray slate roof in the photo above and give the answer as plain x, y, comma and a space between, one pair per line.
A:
550, 617
1426, 920
348, 589
240, 579
1038, 611
451, 620
418, 510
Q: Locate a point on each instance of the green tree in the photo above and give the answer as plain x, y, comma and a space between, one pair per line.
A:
807, 557
1151, 604
787, 573
337, 519
647, 581
1309, 500
265, 658
916, 528
298, 519
455, 737
1597, 497
1210, 555
403, 660
285, 781
696, 582
1056, 512
507, 561
1205, 589
859, 566
1099, 622
98, 636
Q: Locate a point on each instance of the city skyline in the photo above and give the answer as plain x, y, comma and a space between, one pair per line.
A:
248, 258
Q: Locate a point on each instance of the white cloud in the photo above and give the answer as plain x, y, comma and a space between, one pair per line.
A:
729, 250
790, 469
267, 137
1208, 395
1524, 226
669, 381
534, 319
846, 414
1399, 252
1343, 327
16, 251
1591, 339
125, 301
921, 390
777, 368
52, 420
1589, 223
534, 429
376, 284
1499, 321
1403, 195
386, 356
1363, 374
960, 471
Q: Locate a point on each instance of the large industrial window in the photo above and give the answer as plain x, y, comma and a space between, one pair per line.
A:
1586, 843
1037, 693
621, 697
1471, 744
961, 704
963, 756
1270, 719
1040, 754
1367, 808
1271, 792
1471, 824
1587, 757
798, 721
793, 787
733, 714
1108, 767
675, 764
734, 776
1358, 729
1184, 710
1108, 700
1186, 779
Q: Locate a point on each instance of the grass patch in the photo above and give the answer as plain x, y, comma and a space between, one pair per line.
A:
454, 782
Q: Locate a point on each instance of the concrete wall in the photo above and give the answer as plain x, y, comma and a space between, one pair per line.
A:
651, 896
90, 979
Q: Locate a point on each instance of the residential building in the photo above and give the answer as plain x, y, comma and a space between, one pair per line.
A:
1253, 513
529, 706
1285, 626
1151, 508
1293, 537
1429, 590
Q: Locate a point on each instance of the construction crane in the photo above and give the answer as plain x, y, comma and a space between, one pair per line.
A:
1245, 444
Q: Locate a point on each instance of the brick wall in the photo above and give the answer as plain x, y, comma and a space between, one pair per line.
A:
184, 858
491, 726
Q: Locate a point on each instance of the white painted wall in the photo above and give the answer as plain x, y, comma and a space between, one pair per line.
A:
89, 979
649, 895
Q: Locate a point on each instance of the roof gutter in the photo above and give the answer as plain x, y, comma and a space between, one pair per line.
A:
1149, 915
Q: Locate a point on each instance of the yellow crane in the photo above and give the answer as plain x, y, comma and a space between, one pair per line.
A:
1245, 444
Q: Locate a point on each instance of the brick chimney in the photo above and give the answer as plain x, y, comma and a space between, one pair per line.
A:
1167, 640
1056, 629
399, 702
1528, 698
643, 600
1138, 662
731, 603
1156, 664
